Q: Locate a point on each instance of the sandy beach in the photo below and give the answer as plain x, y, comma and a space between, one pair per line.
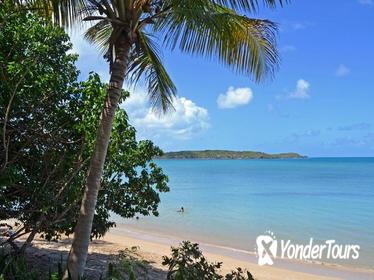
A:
159, 245
151, 247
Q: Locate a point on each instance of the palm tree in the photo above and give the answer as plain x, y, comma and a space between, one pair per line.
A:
128, 30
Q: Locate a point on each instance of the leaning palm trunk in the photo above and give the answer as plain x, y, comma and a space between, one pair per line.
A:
82, 232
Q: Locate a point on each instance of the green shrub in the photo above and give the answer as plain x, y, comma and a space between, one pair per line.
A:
239, 274
125, 267
15, 268
188, 263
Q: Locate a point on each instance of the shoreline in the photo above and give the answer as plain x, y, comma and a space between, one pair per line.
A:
158, 243
158, 236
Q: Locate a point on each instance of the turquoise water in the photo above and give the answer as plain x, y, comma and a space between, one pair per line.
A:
230, 202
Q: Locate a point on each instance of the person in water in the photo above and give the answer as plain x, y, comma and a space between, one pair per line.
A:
181, 210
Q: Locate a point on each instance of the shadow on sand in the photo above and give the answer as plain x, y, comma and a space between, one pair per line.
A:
46, 257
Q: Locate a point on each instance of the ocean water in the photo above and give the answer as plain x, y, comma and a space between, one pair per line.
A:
230, 202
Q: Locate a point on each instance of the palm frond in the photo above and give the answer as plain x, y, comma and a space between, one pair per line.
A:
249, 5
66, 13
69, 13
201, 27
99, 34
145, 62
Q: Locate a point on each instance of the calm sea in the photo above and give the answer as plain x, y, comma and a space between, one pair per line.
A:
230, 202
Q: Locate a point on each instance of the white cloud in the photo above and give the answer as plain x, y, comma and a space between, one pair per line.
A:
301, 91
307, 133
80, 45
342, 71
90, 58
288, 25
187, 120
356, 126
234, 98
274, 109
366, 2
298, 26
288, 48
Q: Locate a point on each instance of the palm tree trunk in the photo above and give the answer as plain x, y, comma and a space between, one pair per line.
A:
82, 231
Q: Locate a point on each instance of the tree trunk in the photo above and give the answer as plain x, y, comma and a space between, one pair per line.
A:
82, 231
28, 241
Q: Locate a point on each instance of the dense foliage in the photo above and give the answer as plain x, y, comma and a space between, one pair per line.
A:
187, 262
48, 128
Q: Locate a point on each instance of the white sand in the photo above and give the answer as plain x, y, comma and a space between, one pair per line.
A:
159, 245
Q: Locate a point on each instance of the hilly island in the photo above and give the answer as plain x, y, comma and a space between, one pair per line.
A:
226, 154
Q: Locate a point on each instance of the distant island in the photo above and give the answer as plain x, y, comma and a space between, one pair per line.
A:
225, 154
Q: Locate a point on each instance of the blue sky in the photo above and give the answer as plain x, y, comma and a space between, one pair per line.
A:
320, 102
